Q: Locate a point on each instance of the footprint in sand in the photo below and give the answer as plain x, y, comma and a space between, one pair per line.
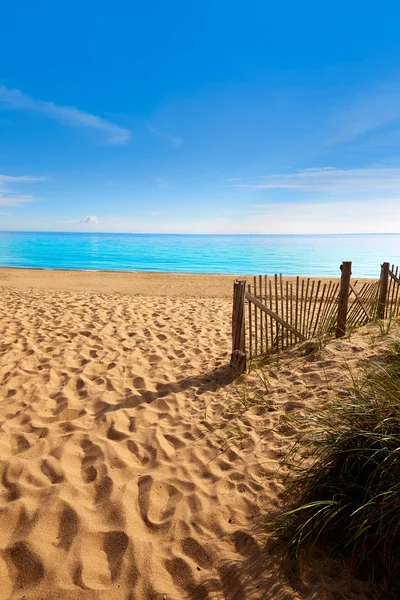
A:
52, 470
157, 502
196, 552
92, 454
115, 544
30, 569
68, 528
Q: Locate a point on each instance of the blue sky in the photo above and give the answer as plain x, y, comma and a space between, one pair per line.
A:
206, 117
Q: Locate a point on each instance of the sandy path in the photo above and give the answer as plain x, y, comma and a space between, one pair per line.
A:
131, 466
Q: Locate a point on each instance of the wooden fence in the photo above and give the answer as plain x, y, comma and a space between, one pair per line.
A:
271, 314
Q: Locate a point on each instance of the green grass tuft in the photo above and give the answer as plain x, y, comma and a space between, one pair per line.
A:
344, 491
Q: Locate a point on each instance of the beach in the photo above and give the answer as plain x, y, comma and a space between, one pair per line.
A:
133, 465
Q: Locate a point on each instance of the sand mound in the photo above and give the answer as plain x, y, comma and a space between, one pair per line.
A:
131, 466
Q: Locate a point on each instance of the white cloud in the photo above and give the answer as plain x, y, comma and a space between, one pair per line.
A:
174, 141
376, 215
154, 213
85, 220
10, 198
19, 179
332, 180
68, 115
5, 213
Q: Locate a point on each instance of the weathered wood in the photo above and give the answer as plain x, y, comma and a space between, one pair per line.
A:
261, 318
238, 316
274, 315
271, 319
303, 329
393, 276
396, 306
296, 314
250, 329
266, 316
255, 321
238, 362
390, 287
356, 310
332, 308
287, 319
325, 308
393, 290
319, 310
360, 300
314, 307
291, 312
301, 307
276, 311
343, 298
383, 289
308, 324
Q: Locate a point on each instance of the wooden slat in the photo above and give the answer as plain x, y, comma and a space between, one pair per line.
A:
360, 300
358, 316
311, 324
394, 275
274, 315
394, 285
287, 312
356, 308
389, 291
282, 313
291, 313
383, 288
321, 304
325, 307
310, 303
331, 307
250, 327
266, 316
271, 320
305, 308
255, 321
276, 310
238, 316
261, 316
297, 303
396, 306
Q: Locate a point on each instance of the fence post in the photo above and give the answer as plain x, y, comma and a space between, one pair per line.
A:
238, 356
343, 298
383, 289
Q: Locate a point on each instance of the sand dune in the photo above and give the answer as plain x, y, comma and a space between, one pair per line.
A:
132, 467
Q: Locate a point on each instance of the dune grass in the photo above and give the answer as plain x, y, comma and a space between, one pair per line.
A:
344, 490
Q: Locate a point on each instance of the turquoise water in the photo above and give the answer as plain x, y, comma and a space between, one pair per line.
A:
236, 254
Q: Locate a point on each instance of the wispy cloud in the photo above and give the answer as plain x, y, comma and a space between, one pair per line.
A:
67, 115
11, 198
174, 141
331, 180
154, 213
375, 108
2, 212
161, 183
86, 220
19, 179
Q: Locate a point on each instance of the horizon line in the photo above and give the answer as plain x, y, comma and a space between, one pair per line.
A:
191, 234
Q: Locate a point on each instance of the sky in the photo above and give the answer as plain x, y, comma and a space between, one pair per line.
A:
200, 117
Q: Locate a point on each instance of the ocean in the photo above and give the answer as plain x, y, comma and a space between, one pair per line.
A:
232, 254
